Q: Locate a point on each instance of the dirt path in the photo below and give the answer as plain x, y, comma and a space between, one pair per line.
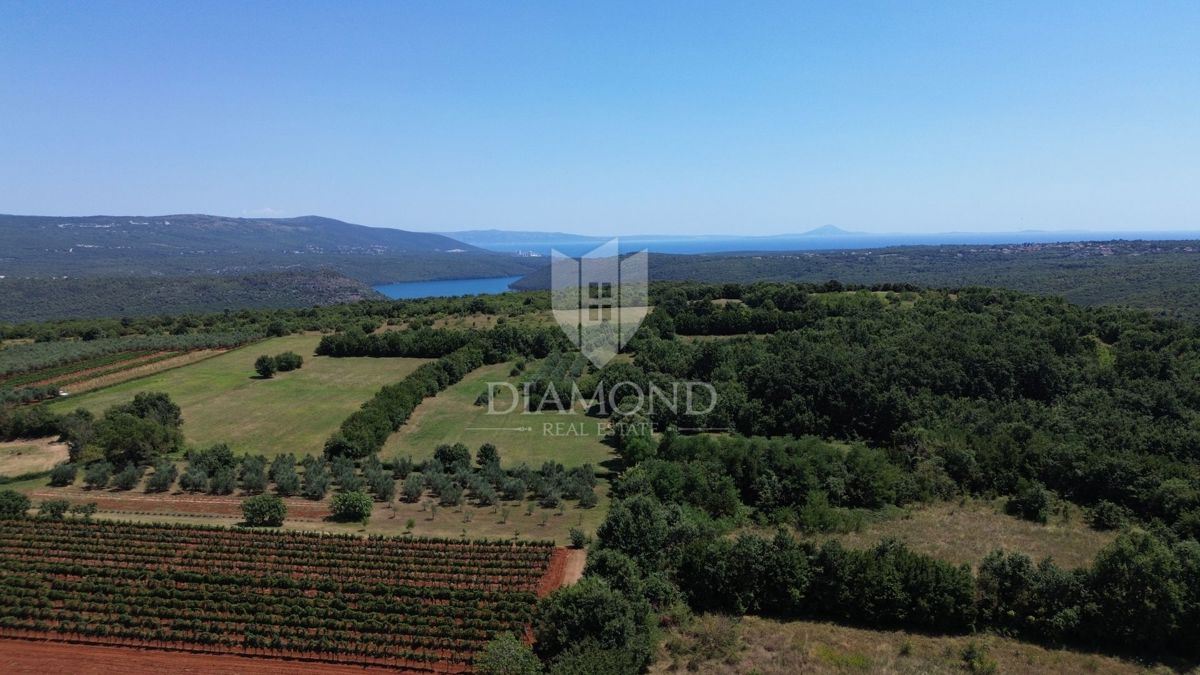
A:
25, 657
30, 455
576, 561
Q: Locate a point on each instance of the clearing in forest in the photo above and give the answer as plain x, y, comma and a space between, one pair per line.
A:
223, 401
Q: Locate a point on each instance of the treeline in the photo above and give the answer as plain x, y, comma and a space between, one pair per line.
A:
367, 315
426, 342
650, 559
366, 430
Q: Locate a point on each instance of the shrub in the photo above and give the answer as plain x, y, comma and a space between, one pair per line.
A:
1031, 502
265, 366
264, 511
288, 361
578, 538
63, 474
352, 506
1106, 515
13, 504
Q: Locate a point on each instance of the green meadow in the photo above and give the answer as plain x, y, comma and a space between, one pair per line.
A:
223, 401
452, 417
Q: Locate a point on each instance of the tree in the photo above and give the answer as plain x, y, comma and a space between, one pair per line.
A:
13, 504
97, 475
194, 479
153, 406
352, 506
287, 482
163, 477
127, 438
487, 456
265, 366
592, 611
506, 655
453, 457
53, 509
128, 478
254, 474
414, 487
264, 510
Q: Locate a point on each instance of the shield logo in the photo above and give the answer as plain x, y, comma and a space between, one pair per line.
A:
600, 300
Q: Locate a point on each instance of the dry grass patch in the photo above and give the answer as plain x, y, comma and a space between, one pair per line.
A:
31, 455
965, 532
754, 645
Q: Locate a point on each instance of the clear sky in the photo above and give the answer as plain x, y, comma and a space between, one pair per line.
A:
599, 117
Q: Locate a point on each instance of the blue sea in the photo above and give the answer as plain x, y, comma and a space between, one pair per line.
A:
445, 288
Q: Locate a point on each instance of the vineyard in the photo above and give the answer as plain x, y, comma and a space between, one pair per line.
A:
409, 603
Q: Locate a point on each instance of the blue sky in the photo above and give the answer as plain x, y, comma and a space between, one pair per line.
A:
612, 118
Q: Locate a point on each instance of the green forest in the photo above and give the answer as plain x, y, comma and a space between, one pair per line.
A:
833, 405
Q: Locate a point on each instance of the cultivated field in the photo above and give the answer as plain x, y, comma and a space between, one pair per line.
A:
413, 604
223, 401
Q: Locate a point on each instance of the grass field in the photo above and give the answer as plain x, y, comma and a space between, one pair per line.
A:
223, 401
966, 532
453, 417
714, 644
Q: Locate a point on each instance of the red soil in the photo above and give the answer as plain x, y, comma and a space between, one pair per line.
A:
175, 504
19, 657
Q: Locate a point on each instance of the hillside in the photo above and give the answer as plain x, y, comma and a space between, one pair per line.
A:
82, 298
1152, 275
42, 246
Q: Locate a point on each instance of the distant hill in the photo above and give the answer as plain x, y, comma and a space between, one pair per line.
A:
190, 244
1158, 276
827, 231
79, 298
485, 238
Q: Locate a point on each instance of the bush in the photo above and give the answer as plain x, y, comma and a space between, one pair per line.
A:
264, 511
578, 538
1031, 502
53, 509
288, 361
352, 506
13, 504
63, 474
1106, 515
